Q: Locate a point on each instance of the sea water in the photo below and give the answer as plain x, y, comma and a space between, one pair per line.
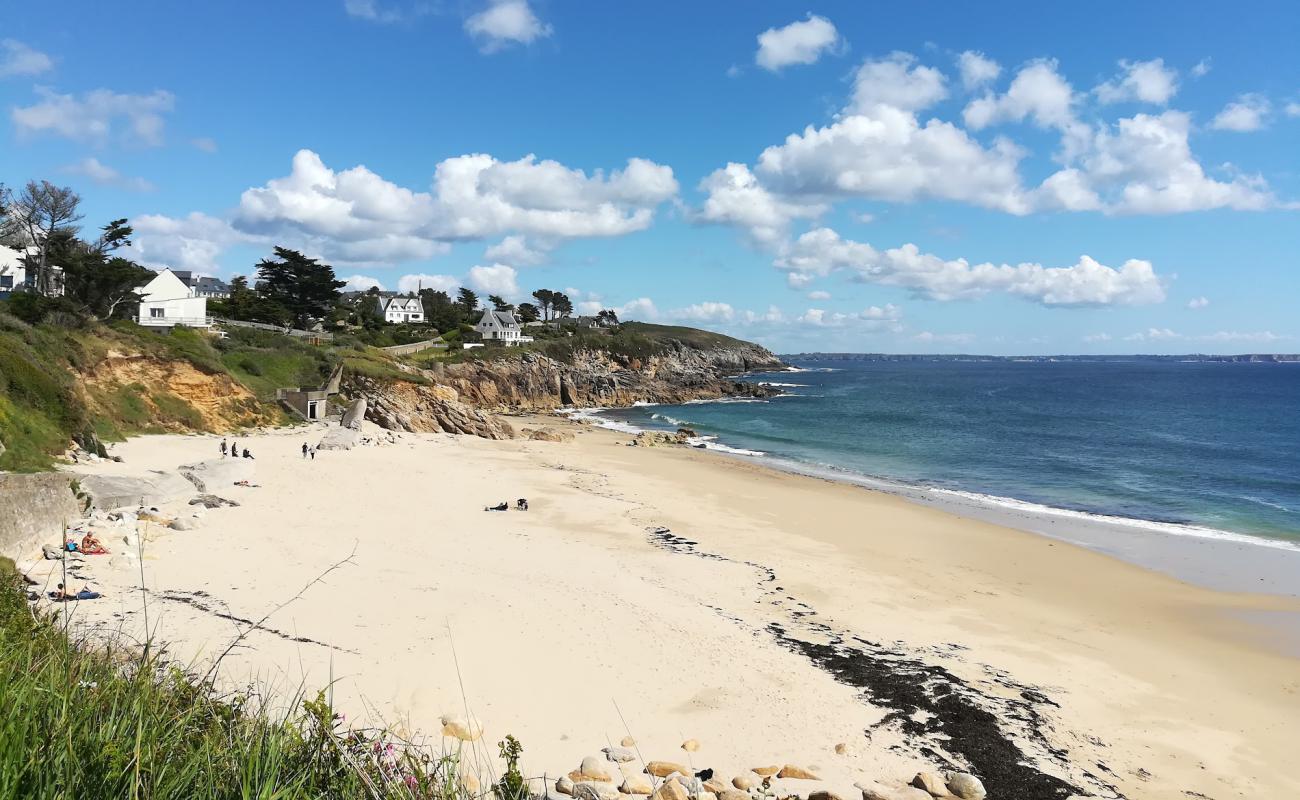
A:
1209, 449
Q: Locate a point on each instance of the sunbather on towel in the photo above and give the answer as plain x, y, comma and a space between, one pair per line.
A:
502, 506
61, 595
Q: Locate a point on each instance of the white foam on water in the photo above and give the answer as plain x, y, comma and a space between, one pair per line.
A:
1169, 528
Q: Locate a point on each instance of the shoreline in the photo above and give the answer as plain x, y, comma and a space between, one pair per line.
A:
771, 616
1212, 558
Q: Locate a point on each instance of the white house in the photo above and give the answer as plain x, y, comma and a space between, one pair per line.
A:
13, 274
501, 326
402, 309
166, 301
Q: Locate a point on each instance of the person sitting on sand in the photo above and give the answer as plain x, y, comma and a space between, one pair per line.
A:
502, 506
248, 455
91, 546
521, 504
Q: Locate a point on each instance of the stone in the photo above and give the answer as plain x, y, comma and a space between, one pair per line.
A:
469, 783
931, 783
662, 769
745, 782
212, 501
627, 741
841, 749
184, 524
339, 439
716, 786
966, 786
467, 730
670, 790
356, 412
151, 489
547, 435
594, 790
564, 785
733, 794
541, 789
218, 473
619, 754
691, 745
637, 784
704, 796
824, 794
798, 773
766, 772
594, 769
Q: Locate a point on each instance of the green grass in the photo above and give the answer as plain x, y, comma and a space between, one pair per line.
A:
83, 720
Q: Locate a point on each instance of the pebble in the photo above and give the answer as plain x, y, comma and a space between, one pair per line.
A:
594, 768
619, 754
691, 745
966, 786
662, 769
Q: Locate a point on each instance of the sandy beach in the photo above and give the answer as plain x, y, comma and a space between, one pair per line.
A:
672, 594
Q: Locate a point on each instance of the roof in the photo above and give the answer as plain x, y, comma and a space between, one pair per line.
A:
504, 319
401, 303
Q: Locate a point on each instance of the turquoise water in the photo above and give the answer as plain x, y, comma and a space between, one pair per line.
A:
1215, 446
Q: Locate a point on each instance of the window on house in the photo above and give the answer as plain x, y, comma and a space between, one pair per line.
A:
157, 313
6, 281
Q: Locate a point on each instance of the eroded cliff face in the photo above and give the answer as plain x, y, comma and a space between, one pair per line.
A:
170, 395
598, 378
461, 393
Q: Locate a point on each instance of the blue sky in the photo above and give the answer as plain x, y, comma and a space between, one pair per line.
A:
934, 177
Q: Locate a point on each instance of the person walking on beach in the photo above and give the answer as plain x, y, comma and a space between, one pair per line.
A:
223, 447
313, 453
304, 449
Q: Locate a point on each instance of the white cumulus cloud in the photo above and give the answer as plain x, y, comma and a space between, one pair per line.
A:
1197, 303
1249, 112
708, 311
801, 42
1038, 93
495, 279
19, 59
1140, 81
897, 82
977, 69
822, 251
97, 116
504, 23
105, 175
360, 283
517, 251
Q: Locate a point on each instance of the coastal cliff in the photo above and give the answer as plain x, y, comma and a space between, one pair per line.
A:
669, 368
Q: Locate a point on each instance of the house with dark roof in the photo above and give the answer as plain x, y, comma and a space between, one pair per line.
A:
502, 327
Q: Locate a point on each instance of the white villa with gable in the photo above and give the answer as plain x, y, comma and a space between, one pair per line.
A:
402, 309
501, 326
167, 301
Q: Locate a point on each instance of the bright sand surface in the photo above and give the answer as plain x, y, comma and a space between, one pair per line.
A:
573, 625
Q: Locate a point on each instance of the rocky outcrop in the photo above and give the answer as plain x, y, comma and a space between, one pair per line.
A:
401, 406
536, 382
35, 507
152, 489
217, 474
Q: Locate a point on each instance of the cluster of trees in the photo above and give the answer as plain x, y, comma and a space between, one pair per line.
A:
291, 289
41, 222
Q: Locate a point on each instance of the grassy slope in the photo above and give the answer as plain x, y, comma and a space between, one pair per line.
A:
83, 721
44, 404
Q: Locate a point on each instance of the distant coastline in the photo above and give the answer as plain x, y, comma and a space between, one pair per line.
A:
1242, 358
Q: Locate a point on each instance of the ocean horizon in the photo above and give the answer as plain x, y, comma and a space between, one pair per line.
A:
1209, 449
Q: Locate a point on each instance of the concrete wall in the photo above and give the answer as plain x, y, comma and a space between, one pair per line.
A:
34, 508
414, 347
